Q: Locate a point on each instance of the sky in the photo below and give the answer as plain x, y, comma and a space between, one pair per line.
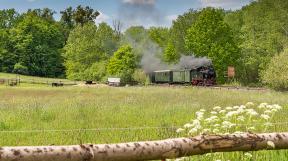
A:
130, 12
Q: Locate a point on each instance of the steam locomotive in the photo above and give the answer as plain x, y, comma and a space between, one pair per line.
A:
200, 76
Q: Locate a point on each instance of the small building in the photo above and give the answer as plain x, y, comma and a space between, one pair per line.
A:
114, 81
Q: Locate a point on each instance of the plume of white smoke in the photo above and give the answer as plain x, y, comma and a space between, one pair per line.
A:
151, 54
190, 62
140, 2
151, 62
135, 12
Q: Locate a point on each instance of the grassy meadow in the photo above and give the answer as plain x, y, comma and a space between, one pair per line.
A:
28, 107
34, 80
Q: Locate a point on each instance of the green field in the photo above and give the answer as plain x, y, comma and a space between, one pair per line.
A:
25, 109
34, 80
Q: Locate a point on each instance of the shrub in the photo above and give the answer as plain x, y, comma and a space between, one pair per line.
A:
140, 77
276, 74
122, 64
95, 72
20, 69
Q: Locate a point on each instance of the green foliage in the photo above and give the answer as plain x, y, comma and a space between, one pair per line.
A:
261, 30
87, 46
179, 30
159, 35
36, 43
6, 61
122, 63
210, 36
170, 54
20, 69
44, 13
276, 74
8, 18
81, 15
136, 34
138, 38
140, 77
95, 72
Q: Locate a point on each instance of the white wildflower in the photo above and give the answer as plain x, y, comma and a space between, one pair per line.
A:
248, 155
271, 144
269, 107
193, 131
228, 108
180, 159
199, 115
227, 124
196, 124
242, 106
217, 108
213, 112
214, 117
276, 106
188, 125
206, 130
215, 131
265, 117
241, 118
240, 110
231, 114
249, 104
262, 105
202, 110
180, 130
251, 112
238, 132
208, 120
267, 112
235, 107
251, 128
216, 125
222, 111
274, 110
208, 154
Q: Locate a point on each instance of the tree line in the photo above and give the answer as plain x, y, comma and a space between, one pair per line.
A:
252, 39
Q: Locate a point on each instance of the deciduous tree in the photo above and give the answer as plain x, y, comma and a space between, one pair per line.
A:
36, 45
87, 45
122, 63
210, 36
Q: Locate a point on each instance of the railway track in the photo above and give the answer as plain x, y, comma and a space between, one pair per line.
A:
217, 87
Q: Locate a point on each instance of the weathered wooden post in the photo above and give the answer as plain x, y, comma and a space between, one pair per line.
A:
149, 150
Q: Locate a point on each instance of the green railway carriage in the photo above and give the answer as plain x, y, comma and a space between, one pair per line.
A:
163, 76
181, 76
198, 76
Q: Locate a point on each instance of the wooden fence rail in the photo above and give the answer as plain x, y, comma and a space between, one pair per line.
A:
149, 150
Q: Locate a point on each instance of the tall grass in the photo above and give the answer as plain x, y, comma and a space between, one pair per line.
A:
33, 79
44, 108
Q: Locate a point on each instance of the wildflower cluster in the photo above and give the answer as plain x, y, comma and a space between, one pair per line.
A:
236, 119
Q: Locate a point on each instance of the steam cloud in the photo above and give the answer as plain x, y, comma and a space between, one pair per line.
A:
150, 62
135, 12
140, 2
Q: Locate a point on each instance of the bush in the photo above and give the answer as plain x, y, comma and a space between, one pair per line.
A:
276, 74
20, 69
140, 77
122, 64
96, 72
